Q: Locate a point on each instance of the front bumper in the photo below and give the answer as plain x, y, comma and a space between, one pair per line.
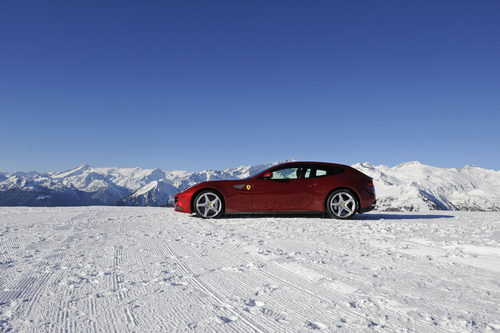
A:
182, 203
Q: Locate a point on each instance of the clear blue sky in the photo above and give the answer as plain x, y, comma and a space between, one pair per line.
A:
214, 84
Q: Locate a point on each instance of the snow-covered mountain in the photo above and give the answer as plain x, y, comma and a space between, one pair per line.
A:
413, 186
410, 186
86, 185
156, 193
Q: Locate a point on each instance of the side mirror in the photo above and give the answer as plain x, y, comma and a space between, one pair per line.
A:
267, 175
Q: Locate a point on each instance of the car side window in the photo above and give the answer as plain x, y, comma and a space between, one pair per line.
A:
291, 173
321, 171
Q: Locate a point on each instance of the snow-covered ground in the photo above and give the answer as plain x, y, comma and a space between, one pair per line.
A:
103, 269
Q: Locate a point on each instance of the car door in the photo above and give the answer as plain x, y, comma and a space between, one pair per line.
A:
238, 196
282, 191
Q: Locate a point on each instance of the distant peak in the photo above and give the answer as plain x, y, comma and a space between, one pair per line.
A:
82, 166
405, 164
288, 160
78, 170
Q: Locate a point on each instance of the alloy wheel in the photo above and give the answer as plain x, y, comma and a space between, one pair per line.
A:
208, 205
342, 205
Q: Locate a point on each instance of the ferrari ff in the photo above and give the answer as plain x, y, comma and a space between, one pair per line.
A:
297, 187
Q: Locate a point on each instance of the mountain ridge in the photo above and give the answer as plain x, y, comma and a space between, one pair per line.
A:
408, 186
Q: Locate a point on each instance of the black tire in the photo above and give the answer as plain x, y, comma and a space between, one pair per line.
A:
342, 204
208, 204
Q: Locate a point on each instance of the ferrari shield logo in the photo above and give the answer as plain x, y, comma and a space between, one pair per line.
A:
249, 187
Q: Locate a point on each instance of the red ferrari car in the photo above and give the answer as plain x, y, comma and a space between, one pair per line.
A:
297, 187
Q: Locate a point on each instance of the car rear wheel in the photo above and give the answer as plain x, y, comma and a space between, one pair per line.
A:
208, 204
341, 204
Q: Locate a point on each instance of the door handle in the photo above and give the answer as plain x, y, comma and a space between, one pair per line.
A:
242, 187
313, 185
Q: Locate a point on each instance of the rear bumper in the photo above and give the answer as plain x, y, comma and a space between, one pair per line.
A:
367, 209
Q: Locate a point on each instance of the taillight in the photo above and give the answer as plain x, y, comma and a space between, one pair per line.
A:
371, 188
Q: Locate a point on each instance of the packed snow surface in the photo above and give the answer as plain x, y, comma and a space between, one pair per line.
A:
107, 269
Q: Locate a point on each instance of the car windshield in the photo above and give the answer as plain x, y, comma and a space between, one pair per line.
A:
256, 171
252, 174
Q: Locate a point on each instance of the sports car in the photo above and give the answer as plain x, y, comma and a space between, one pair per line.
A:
297, 187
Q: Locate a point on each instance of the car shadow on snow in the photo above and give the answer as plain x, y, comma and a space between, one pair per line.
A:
366, 216
395, 216
262, 215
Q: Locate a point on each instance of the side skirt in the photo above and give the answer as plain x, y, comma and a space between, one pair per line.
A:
277, 213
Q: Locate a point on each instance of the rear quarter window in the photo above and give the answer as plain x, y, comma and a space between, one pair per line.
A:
328, 171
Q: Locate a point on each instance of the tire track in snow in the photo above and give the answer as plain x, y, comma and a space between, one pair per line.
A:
311, 274
20, 295
152, 289
273, 319
201, 286
275, 309
52, 263
117, 276
334, 318
296, 304
389, 304
309, 296
71, 284
117, 279
351, 314
59, 315
406, 269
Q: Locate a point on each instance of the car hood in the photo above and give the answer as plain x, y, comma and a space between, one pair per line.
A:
215, 184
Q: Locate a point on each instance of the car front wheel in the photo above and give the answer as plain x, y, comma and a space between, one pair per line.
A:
208, 204
341, 204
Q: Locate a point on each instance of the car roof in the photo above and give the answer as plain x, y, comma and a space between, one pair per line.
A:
310, 162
